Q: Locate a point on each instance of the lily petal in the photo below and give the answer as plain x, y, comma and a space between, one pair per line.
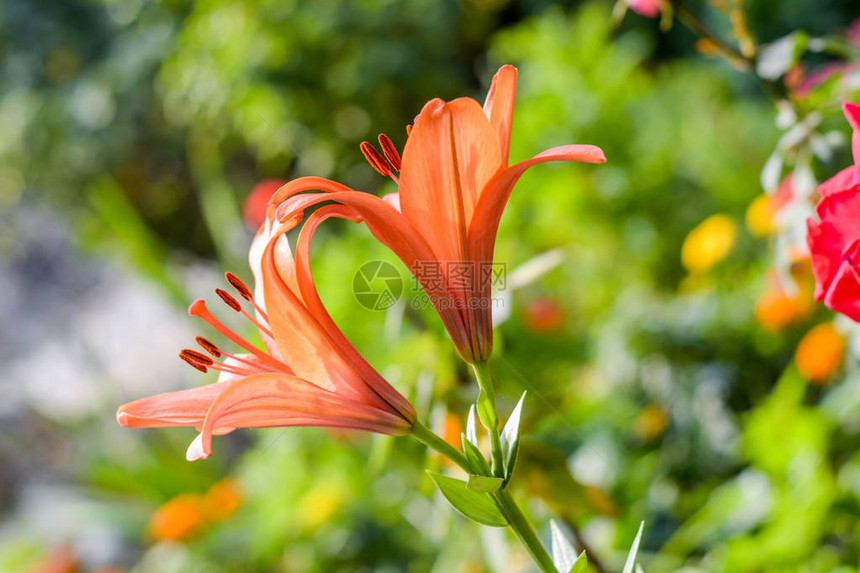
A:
181, 408
449, 157
499, 107
397, 233
488, 213
269, 400
363, 369
303, 342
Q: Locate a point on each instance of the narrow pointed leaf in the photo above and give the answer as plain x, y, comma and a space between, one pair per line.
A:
563, 553
634, 549
484, 484
476, 458
471, 427
511, 438
476, 506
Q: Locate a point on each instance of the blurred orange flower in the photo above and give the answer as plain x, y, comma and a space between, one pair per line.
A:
223, 499
820, 353
179, 518
451, 429
775, 309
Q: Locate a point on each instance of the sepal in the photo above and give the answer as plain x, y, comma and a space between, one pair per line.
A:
484, 484
510, 438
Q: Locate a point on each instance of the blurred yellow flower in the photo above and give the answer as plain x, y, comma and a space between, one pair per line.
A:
820, 352
708, 243
651, 423
760, 216
321, 502
178, 519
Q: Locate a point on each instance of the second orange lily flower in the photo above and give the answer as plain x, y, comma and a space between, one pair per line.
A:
454, 182
308, 375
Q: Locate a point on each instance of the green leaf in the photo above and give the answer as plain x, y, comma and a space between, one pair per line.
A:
476, 506
484, 484
511, 438
475, 457
634, 549
581, 565
487, 411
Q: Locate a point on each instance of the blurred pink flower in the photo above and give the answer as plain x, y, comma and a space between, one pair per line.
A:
309, 374
647, 8
801, 82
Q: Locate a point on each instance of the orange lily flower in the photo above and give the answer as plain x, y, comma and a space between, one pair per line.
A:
309, 375
454, 183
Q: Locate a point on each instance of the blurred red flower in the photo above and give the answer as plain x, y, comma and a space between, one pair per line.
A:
544, 315
834, 240
254, 211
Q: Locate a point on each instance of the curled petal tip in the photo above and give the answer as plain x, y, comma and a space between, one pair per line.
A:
197, 450
123, 418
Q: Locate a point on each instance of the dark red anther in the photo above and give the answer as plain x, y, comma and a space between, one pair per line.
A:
375, 159
228, 299
208, 346
193, 361
390, 151
240, 286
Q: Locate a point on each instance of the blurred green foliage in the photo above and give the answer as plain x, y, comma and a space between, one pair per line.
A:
652, 395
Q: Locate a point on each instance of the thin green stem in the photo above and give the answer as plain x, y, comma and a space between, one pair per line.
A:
423, 434
488, 415
505, 502
524, 531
